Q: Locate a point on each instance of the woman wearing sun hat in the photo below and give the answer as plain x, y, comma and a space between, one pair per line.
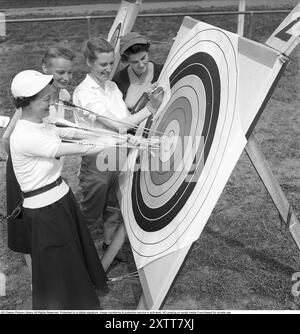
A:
140, 73
58, 61
66, 270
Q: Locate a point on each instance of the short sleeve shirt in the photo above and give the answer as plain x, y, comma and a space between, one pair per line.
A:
89, 95
33, 148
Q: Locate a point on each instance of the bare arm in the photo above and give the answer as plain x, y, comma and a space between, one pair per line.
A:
79, 134
69, 130
72, 132
133, 120
87, 147
66, 149
126, 123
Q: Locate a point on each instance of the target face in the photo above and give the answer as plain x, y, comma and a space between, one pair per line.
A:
192, 111
217, 86
166, 201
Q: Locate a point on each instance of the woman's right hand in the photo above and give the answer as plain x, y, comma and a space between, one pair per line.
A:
155, 100
133, 140
152, 88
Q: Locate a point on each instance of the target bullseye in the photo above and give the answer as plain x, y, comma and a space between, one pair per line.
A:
169, 140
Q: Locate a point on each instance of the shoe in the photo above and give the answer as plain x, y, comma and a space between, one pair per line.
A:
121, 256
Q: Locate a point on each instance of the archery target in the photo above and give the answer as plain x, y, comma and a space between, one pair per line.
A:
116, 36
218, 84
118, 26
122, 24
166, 198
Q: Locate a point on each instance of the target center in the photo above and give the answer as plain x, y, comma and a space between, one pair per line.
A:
169, 141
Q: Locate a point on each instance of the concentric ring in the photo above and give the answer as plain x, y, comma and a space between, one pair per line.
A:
203, 66
164, 203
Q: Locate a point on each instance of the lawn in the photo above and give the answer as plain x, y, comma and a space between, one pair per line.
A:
245, 257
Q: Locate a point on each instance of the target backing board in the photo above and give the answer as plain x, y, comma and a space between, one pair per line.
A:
122, 25
215, 82
286, 37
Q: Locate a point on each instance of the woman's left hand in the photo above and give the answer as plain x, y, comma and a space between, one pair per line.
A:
152, 88
133, 140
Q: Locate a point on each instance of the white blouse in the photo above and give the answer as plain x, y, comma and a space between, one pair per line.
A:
89, 95
138, 85
33, 149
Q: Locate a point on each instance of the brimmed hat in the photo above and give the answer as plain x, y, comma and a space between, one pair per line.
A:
131, 39
28, 83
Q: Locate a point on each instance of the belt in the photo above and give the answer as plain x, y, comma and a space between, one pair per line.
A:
43, 189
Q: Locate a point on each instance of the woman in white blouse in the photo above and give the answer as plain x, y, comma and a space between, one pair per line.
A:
102, 96
57, 61
66, 270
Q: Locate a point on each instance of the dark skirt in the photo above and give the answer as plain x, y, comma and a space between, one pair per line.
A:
66, 268
17, 236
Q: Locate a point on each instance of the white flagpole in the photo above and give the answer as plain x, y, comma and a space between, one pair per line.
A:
241, 18
2, 25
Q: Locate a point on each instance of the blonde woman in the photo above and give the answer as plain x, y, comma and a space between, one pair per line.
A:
102, 96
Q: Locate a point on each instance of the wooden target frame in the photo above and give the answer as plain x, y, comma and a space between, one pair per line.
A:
122, 25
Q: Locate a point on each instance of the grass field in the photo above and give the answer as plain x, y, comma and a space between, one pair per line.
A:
245, 257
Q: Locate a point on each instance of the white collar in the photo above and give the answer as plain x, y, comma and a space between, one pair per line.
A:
92, 83
145, 77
